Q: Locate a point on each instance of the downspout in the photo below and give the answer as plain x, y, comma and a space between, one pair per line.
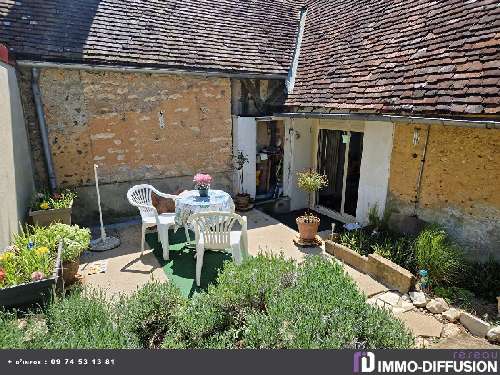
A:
418, 187
290, 81
44, 134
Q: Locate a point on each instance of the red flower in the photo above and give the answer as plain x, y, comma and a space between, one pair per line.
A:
56, 196
2, 275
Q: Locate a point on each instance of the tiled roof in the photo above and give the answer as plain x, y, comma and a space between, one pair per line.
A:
401, 56
252, 36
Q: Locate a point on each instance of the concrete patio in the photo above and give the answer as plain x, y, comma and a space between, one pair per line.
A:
126, 270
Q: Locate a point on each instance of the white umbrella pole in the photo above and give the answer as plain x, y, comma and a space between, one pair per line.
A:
103, 232
103, 243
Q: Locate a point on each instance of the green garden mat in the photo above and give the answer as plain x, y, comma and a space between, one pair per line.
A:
181, 267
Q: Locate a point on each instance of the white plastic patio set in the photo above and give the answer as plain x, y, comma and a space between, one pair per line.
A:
211, 217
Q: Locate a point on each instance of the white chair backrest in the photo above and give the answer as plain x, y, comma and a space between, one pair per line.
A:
215, 227
140, 197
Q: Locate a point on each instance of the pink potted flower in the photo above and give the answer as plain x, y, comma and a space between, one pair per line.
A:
202, 182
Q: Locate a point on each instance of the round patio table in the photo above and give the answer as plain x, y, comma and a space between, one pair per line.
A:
190, 202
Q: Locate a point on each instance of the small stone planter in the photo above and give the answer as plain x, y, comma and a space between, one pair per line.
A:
380, 268
33, 292
43, 218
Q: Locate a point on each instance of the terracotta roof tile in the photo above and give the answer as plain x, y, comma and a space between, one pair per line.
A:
254, 36
400, 56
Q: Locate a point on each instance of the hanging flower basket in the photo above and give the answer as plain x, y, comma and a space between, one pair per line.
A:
38, 291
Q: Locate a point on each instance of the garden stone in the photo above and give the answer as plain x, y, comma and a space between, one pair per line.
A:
450, 330
391, 298
452, 315
493, 334
418, 298
475, 325
437, 306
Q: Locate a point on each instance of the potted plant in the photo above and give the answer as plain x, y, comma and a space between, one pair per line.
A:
242, 199
202, 182
309, 181
47, 208
75, 241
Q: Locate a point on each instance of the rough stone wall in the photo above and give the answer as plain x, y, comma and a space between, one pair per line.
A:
135, 126
113, 119
460, 185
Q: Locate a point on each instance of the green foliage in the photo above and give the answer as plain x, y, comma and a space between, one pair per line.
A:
21, 265
460, 297
436, 253
149, 313
11, 336
45, 200
85, 320
267, 302
275, 303
483, 278
377, 222
75, 239
399, 249
311, 181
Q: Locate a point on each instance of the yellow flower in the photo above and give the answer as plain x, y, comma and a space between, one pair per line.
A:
5, 257
44, 206
42, 250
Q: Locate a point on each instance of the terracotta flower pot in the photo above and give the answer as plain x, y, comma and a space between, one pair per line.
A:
69, 270
242, 200
308, 227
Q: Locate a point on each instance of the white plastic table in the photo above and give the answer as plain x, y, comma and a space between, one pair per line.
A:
190, 202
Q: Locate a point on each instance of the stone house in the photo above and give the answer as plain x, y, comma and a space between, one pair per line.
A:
398, 103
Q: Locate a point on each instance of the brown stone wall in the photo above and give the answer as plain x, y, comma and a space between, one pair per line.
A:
113, 119
460, 185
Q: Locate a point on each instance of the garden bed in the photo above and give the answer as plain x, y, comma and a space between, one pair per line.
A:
32, 292
265, 303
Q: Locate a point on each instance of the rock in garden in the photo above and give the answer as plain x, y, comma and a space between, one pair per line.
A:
493, 334
475, 325
450, 330
452, 315
437, 306
418, 298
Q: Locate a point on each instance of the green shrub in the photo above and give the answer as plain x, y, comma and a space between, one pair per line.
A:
483, 278
74, 238
436, 253
275, 303
323, 310
150, 312
85, 320
457, 296
397, 248
11, 335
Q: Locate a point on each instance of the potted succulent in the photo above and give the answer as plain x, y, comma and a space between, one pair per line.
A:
47, 208
202, 182
309, 181
242, 199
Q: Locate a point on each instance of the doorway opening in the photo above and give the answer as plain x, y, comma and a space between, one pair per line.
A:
269, 160
339, 158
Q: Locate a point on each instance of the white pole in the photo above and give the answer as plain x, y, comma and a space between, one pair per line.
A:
103, 233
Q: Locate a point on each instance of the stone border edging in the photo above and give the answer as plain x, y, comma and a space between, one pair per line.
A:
380, 268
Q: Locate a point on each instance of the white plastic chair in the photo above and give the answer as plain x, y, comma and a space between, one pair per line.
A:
140, 197
213, 231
